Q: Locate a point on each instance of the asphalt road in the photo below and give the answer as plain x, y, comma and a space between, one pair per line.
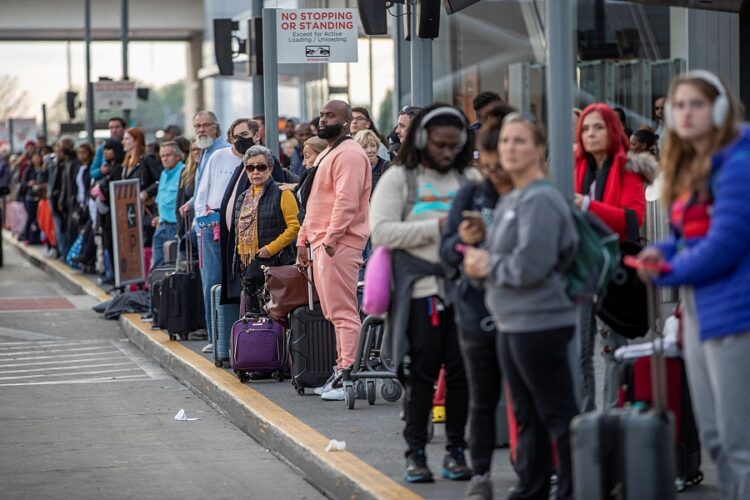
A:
84, 415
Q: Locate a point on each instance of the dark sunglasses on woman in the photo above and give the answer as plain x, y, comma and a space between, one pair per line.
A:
260, 167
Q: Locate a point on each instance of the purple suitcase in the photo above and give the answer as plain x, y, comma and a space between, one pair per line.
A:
258, 345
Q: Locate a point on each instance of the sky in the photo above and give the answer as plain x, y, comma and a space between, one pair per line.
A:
41, 67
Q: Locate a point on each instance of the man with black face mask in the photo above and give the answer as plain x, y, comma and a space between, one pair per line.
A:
336, 225
409, 209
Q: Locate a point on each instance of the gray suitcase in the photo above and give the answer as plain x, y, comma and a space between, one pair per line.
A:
170, 248
627, 453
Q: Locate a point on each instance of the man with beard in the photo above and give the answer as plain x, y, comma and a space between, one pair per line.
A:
336, 225
208, 139
208, 195
117, 128
409, 211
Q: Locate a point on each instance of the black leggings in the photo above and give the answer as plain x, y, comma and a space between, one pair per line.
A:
433, 342
537, 369
485, 383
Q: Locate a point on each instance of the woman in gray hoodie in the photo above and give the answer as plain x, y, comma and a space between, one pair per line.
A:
531, 241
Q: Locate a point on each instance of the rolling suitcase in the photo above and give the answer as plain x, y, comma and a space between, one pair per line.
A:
258, 345
635, 389
312, 344
222, 320
181, 301
170, 249
628, 453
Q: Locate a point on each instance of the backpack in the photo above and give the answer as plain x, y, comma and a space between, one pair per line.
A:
596, 259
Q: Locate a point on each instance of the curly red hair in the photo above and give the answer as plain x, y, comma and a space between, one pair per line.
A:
619, 143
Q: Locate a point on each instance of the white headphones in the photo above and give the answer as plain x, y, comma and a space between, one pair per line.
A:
420, 136
720, 109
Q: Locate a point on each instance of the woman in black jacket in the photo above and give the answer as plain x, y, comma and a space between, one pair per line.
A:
468, 219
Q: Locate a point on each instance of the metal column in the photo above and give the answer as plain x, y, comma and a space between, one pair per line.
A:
560, 85
124, 40
270, 80
258, 100
421, 64
89, 85
44, 122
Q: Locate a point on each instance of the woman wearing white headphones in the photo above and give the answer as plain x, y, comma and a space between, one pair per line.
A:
706, 165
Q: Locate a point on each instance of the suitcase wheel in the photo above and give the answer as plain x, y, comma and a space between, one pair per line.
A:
361, 391
349, 396
301, 391
278, 375
391, 391
371, 393
243, 376
218, 363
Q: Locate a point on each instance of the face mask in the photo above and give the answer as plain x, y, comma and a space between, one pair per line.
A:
242, 144
332, 130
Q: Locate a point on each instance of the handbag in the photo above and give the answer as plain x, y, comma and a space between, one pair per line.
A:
284, 290
624, 306
376, 296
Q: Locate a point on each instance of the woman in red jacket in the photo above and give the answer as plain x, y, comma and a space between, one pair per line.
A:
607, 185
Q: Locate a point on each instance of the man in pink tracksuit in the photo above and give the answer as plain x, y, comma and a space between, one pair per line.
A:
336, 225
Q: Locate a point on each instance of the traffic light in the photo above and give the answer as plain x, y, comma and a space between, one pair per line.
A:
70, 104
373, 15
223, 45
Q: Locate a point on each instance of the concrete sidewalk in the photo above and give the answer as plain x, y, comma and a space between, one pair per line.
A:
298, 428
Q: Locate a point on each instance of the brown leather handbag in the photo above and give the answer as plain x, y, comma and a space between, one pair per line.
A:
285, 289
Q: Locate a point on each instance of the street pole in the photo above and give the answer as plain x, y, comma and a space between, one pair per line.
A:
124, 39
10, 134
89, 85
44, 122
270, 80
560, 84
258, 99
421, 63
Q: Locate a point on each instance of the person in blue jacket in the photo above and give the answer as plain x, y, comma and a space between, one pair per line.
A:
706, 174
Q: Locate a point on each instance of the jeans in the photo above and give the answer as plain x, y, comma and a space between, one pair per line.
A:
537, 369
430, 347
61, 234
165, 231
718, 373
485, 383
210, 258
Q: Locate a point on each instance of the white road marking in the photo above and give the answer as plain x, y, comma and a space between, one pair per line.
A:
4, 372
126, 378
98, 372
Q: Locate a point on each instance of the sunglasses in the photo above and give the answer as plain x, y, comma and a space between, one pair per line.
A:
259, 167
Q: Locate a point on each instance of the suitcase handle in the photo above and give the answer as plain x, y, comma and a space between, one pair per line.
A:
658, 363
308, 270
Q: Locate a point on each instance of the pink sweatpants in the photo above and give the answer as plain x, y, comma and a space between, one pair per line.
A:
336, 283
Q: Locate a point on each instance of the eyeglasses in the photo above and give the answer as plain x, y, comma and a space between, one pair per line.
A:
258, 167
360, 119
198, 126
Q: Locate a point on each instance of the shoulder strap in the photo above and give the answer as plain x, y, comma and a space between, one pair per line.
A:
335, 145
411, 191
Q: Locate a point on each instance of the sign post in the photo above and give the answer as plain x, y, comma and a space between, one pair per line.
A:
127, 231
109, 95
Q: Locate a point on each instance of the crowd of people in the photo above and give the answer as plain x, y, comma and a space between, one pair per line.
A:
480, 241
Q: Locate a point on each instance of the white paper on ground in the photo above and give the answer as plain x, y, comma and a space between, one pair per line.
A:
334, 445
182, 416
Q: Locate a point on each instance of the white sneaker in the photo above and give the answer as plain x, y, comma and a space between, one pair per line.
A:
327, 386
336, 394
208, 349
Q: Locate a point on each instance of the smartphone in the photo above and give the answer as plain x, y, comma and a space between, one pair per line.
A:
632, 261
472, 215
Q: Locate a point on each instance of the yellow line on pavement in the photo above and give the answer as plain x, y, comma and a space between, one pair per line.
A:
364, 475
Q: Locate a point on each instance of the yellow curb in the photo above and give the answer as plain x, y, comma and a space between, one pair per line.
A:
374, 483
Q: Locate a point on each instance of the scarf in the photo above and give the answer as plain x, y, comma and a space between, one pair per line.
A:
247, 226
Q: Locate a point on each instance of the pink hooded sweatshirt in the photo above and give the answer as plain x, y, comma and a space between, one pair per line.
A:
337, 209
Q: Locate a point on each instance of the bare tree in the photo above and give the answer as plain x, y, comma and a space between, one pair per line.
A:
13, 100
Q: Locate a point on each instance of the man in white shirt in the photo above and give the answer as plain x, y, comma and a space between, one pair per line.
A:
217, 172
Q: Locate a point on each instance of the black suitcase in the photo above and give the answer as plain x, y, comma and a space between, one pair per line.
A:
155, 281
628, 453
181, 301
170, 249
311, 345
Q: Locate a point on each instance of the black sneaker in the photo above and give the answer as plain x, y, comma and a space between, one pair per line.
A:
480, 488
454, 466
416, 468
